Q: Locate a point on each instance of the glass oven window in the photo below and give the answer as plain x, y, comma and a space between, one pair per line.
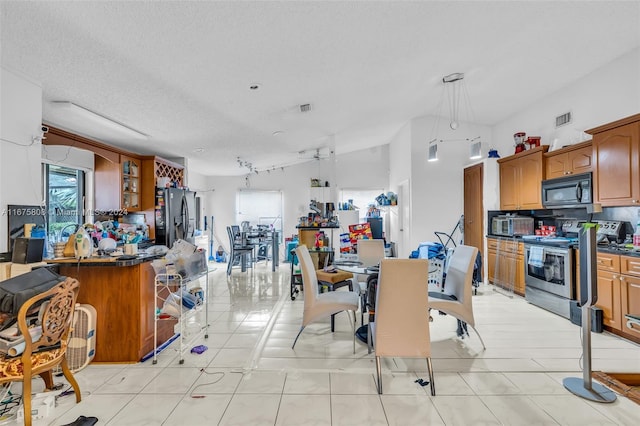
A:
552, 271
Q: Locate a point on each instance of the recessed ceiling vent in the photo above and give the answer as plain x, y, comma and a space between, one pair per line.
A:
563, 119
305, 108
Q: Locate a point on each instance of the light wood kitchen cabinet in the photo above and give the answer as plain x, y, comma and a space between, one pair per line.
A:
616, 160
118, 184
572, 160
155, 168
609, 298
630, 291
520, 177
131, 183
505, 264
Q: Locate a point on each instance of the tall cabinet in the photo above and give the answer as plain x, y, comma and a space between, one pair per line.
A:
118, 184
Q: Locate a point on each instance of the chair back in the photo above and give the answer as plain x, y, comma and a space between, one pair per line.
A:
309, 277
56, 315
370, 252
459, 280
402, 315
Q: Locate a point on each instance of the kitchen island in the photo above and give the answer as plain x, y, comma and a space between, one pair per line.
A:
122, 292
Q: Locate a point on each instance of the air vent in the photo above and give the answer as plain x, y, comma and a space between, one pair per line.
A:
563, 119
305, 108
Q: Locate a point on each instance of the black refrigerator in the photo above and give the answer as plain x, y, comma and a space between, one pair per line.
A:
175, 215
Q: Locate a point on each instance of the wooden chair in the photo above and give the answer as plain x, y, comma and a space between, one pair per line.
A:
401, 326
46, 350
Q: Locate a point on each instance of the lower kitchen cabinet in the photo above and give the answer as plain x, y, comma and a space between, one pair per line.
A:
619, 292
609, 298
505, 264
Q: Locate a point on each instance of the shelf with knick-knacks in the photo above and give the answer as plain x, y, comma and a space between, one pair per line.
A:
130, 183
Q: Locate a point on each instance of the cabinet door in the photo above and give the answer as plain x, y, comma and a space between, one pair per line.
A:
579, 161
556, 165
616, 180
609, 298
131, 186
509, 180
518, 285
530, 188
491, 265
630, 300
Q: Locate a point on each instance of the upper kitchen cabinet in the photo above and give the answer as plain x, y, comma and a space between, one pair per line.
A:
118, 184
616, 161
520, 177
574, 159
157, 171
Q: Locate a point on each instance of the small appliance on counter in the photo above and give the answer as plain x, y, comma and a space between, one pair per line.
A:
511, 225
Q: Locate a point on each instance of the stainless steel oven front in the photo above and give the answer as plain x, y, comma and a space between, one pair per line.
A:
549, 277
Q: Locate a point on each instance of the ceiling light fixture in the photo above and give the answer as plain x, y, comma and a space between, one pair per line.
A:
88, 117
455, 92
475, 149
433, 150
254, 86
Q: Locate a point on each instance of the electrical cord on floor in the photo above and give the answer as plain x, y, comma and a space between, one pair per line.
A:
221, 373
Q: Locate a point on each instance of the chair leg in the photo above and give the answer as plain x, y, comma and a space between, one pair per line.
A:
26, 399
379, 373
353, 328
299, 332
479, 337
369, 338
47, 377
432, 383
69, 376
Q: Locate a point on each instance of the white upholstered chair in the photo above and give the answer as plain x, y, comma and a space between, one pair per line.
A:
370, 253
322, 305
456, 299
401, 326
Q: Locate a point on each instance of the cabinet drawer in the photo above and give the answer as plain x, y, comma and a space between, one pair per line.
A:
630, 265
505, 246
608, 262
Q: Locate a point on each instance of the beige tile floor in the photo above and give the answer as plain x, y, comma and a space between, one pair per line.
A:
250, 375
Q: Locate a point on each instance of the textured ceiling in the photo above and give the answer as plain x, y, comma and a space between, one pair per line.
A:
180, 71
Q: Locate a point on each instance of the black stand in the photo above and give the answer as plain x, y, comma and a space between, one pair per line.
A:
585, 388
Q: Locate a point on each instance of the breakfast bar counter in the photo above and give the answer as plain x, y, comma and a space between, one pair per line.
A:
123, 294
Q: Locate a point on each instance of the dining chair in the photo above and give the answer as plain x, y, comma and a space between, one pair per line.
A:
401, 326
238, 253
456, 299
322, 305
45, 323
370, 253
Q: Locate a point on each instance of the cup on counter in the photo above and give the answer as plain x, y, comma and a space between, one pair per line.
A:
131, 249
58, 250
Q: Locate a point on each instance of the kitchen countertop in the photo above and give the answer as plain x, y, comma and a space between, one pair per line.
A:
611, 249
105, 260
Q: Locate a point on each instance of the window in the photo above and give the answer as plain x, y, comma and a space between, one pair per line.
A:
260, 208
64, 192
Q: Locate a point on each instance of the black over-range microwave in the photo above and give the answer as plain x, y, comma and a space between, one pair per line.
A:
567, 192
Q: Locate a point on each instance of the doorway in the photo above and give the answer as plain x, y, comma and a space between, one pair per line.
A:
473, 207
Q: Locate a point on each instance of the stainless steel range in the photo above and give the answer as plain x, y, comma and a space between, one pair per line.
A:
550, 273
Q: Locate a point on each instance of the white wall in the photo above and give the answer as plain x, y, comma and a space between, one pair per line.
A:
605, 95
20, 120
360, 169
400, 171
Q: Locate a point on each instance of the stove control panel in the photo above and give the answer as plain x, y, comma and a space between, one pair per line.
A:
610, 228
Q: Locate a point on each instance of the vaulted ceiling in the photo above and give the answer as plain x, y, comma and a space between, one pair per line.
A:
180, 71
